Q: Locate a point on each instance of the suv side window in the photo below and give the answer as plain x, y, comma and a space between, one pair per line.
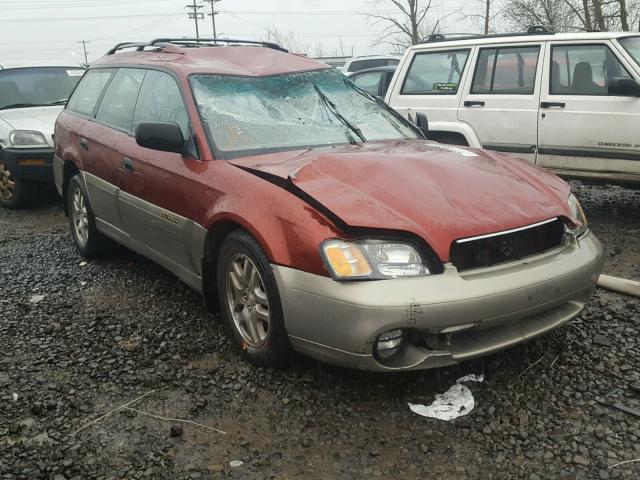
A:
119, 101
160, 101
510, 71
583, 69
87, 93
435, 73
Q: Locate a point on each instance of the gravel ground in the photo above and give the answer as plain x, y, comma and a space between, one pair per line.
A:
78, 341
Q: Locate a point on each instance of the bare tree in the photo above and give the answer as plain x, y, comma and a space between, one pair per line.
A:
409, 25
287, 40
603, 15
483, 13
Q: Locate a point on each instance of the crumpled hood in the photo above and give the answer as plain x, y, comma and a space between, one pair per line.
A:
39, 119
438, 192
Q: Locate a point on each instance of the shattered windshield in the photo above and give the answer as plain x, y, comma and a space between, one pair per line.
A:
632, 45
38, 86
249, 115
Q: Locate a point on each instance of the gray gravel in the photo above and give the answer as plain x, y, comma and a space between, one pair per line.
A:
79, 341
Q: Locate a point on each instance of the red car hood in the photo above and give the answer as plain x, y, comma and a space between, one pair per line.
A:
439, 192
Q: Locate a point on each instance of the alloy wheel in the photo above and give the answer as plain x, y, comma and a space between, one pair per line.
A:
80, 217
247, 300
7, 184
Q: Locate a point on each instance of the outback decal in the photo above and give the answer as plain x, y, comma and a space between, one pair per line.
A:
169, 217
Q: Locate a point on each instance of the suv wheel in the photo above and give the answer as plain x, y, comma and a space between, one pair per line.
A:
251, 308
90, 242
14, 193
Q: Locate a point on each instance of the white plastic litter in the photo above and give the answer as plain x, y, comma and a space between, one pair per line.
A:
15, 397
236, 463
36, 298
455, 402
82, 264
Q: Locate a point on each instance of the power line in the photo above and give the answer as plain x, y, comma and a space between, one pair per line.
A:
96, 17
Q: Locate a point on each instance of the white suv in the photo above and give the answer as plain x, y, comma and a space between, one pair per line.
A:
568, 102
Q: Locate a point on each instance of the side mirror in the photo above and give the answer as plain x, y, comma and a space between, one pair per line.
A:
162, 136
623, 86
423, 123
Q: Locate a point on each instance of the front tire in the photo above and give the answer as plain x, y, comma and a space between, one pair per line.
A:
14, 192
89, 241
250, 301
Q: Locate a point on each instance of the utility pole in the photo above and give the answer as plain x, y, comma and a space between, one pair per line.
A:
196, 15
213, 15
84, 47
487, 14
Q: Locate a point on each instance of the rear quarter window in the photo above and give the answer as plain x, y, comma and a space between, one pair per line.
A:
435, 73
87, 93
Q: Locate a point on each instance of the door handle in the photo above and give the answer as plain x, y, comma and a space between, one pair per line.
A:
473, 103
552, 104
84, 144
127, 164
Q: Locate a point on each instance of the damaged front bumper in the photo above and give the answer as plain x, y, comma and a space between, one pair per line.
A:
446, 318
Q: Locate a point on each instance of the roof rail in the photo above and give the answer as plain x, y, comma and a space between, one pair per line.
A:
532, 30
193, 43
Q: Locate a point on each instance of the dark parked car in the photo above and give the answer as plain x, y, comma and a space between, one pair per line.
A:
374, 80
311, 214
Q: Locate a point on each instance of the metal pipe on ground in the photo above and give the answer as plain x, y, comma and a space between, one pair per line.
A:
619, 285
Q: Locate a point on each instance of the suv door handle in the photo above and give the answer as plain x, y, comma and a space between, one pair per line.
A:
127, 164
84, 144
473, 103
552, 104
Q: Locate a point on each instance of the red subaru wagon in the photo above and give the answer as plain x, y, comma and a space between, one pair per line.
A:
312, 215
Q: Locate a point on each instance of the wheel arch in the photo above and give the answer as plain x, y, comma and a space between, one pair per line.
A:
219, 228
69, 169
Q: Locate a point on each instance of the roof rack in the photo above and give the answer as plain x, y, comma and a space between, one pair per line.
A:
193, 43
532, 30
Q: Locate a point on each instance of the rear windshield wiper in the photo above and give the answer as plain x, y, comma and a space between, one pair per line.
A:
384, 105
333, 109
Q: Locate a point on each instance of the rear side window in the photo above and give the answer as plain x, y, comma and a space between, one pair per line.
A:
506, 71
435, 73
369, 82
160, 101
119, 101
86, 95
371, 63
583, 69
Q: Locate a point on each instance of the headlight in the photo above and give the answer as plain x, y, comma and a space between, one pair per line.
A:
578, 214
27, 139
372, 259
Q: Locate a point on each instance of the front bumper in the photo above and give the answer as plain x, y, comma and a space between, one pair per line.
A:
34, 164
339, 322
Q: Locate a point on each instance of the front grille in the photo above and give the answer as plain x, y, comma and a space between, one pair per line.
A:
488, 250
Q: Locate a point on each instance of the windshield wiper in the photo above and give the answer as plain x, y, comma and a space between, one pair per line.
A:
21, 105
62, 101
384, 105
333, 109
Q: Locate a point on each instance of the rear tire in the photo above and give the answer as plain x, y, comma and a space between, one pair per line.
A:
250, 301
14, 192
89, 241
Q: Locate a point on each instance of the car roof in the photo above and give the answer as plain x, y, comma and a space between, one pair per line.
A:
471, 40
237, 60
365, 57
386, 68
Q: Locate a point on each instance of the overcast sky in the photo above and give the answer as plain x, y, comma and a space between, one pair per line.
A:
50, 29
